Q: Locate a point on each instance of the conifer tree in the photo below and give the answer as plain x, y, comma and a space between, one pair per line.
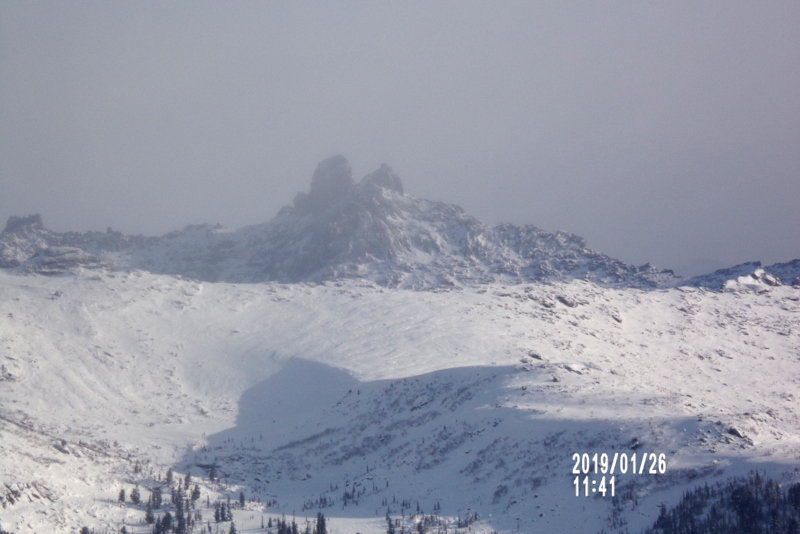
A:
155, 497
179, 507
166, 522
121, 497
195, 493
180, 528
136, 497
320, 528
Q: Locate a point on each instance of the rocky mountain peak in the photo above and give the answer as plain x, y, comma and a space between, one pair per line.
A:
331, 182
341, 229
384, 177
16, 224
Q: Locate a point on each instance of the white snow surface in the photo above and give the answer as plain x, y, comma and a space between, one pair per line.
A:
470, 399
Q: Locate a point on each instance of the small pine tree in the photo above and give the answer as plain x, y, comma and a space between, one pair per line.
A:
793, 495
155, 496
121, 497
179, 505
232, 530
169, 477
241, 499
136, 497
321, 528
166, 522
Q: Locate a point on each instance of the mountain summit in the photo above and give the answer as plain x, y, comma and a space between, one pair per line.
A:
339, 229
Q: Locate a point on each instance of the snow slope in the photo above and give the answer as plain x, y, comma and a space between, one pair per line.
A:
358, 398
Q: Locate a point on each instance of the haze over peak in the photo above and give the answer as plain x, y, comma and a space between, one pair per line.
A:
332, 183
341, 229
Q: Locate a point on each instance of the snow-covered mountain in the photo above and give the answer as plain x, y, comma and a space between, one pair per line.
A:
331, 381
339, 229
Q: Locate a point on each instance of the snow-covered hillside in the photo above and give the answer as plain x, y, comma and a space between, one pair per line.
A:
357, 398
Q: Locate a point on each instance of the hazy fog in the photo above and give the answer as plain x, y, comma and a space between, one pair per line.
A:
666, 132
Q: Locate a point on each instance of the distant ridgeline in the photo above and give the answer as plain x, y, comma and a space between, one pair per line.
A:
343, 229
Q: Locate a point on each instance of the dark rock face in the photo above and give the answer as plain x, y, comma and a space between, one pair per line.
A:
57, 260
15, 224
384, 177
331, 183
787, 272
20, 239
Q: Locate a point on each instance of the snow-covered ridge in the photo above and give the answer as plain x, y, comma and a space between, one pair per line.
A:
340, 229
750, 274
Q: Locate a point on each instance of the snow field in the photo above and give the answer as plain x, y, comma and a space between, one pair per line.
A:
104, 370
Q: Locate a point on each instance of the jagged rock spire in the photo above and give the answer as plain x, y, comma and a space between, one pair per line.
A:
17, 223
384, 177
332, 181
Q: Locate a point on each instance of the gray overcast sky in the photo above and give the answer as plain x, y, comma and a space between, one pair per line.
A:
666, 132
